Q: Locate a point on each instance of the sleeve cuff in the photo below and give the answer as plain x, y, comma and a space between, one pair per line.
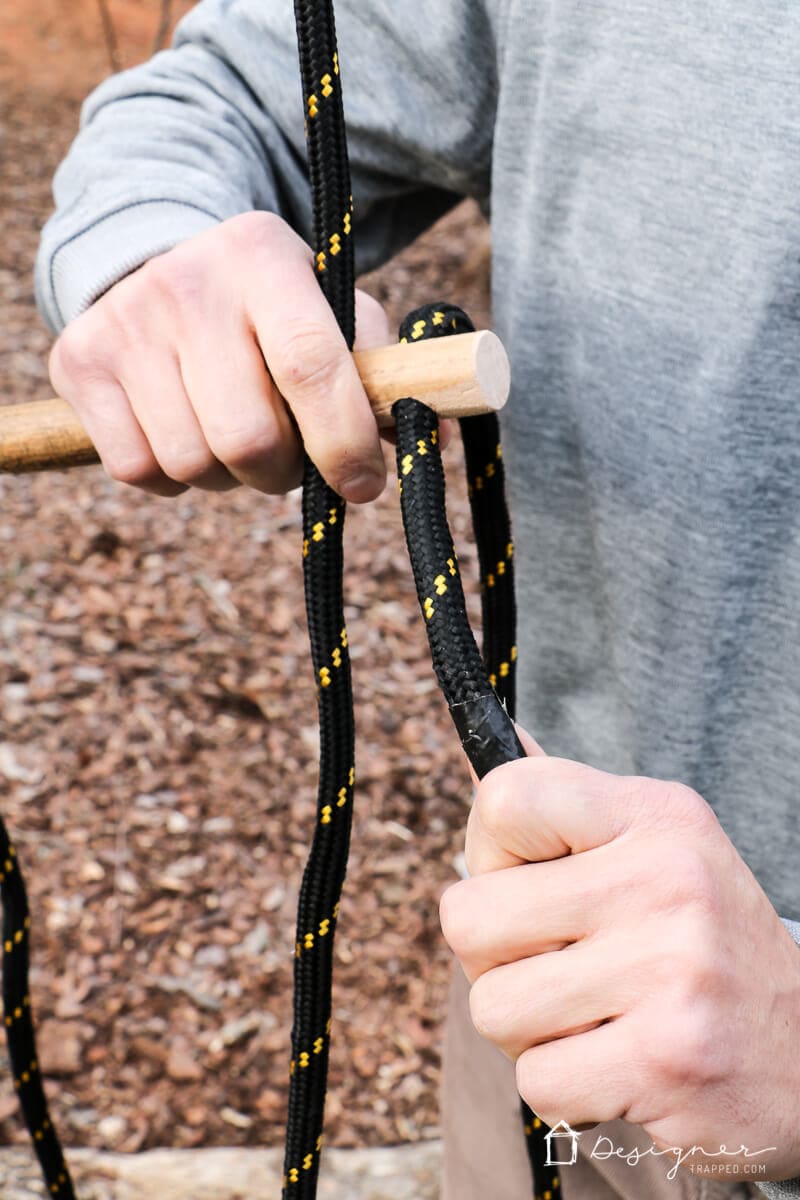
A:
75, 273
793, 927
783, 1189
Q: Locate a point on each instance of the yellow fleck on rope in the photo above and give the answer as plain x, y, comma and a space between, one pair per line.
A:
39, 1133
324, 929
503, 670
293, 1175
25, 1076
304, 1057
500, 569
476, 484
419, 327
10, 1018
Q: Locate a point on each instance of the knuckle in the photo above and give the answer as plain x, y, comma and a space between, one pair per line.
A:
693, 981
79, 357
674, 806
627, 799
658, 805
535, 1086
177, 278
186, 464
704, 1056
125, 309
138, 470
524, 1077
690, 882
248, 446
689, 1052
486, 1009
254, 231
686, 806
454, 916
679, 973
310, 360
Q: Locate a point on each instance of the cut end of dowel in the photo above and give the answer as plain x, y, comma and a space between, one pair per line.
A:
492, 369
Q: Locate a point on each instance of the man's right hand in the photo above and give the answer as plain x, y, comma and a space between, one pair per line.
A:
200, 368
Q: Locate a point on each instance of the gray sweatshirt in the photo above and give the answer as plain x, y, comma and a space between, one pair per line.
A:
640, 163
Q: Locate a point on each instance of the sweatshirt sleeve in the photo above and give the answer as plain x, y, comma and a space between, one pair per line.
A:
214, 127
785, 1189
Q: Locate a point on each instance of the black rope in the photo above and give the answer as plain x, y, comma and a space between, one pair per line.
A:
484, 725
323, 525
18, 1023
486, 489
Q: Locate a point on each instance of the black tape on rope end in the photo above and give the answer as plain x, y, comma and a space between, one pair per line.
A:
487, 733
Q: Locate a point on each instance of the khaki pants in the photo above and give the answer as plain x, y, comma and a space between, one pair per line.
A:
484, 1149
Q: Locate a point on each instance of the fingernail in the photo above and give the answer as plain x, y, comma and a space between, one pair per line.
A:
362, 486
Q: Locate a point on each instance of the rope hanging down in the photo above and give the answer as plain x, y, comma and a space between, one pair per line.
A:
471, 689
18, 1022
485, 727
323, 528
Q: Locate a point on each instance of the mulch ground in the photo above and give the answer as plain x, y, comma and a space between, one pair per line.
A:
158, 738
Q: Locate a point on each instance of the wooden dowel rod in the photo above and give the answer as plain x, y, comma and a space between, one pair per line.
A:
458, 376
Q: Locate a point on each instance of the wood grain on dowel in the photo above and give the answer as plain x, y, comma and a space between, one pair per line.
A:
458, 376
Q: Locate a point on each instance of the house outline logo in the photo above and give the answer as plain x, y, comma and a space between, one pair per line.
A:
561, 1133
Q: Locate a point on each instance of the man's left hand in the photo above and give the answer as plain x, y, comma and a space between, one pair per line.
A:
621, 951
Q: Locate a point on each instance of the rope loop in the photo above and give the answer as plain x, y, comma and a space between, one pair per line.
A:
479, 690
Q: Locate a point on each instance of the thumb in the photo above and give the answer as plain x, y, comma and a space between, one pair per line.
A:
482, 852
529, 745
